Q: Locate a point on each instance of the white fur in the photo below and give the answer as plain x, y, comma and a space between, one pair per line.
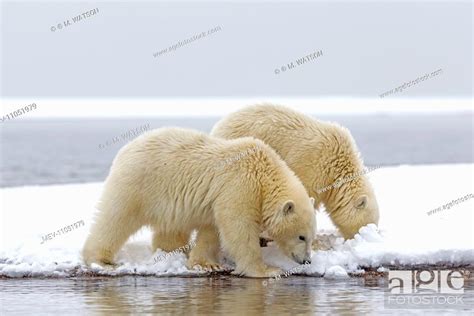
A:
178, 180
320, 153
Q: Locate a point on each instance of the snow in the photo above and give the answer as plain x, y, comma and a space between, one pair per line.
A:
336, 272
407, 235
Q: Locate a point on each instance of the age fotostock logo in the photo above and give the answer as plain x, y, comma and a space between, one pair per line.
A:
425, 289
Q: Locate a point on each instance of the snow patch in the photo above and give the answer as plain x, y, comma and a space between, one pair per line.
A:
336, 272
406, 235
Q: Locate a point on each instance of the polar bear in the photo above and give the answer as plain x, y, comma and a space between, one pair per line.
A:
322, 154
178, 180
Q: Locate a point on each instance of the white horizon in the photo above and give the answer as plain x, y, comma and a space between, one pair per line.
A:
115, 108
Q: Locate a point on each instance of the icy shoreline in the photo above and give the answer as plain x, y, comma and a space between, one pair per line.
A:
406, 237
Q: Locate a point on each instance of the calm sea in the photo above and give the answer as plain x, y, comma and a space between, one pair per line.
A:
46, 151
220, 295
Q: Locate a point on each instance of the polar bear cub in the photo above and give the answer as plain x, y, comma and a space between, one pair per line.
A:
178, 180
322, 154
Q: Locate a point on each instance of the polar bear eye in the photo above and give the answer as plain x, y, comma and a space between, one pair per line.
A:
302, 238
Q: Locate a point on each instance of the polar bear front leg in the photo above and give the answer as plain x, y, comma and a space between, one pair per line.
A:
240, 237
205, 252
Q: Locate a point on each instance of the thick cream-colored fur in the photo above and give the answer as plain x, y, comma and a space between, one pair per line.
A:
320, 153
178, 180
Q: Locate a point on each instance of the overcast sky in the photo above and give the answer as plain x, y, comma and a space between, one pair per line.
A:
367, 47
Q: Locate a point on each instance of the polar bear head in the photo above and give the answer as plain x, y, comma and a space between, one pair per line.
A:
293, 228
341, 181
352, 209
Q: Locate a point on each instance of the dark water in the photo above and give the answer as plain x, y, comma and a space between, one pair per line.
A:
221, 295
67, 150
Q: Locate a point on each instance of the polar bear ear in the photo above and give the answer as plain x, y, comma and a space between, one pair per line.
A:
288, 207
361, 202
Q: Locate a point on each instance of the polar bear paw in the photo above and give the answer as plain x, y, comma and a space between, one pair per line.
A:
204, 265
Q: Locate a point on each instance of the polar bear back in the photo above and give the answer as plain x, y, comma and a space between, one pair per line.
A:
168, 172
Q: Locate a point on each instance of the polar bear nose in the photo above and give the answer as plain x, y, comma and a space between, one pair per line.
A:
307, 262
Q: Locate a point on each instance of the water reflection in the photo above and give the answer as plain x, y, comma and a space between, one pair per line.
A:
193, 296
